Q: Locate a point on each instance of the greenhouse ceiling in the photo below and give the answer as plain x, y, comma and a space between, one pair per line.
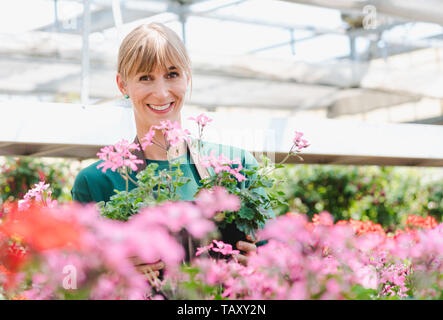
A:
47, 60
330, 59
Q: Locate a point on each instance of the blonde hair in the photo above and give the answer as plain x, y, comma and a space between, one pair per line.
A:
149, 46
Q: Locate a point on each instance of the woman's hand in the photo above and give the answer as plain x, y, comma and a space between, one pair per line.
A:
150, 270
246, 248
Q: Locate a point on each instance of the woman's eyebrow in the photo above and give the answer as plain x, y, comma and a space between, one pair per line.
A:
172, 68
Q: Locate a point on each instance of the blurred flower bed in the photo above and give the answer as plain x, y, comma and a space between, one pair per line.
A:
340, 232
19, 174
51, 251
383, 195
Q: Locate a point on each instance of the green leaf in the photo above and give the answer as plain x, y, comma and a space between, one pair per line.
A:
246, 213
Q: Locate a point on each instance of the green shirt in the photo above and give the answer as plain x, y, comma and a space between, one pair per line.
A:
92, 185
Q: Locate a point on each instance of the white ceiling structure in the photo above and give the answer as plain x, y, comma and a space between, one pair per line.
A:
83, 130
398, 78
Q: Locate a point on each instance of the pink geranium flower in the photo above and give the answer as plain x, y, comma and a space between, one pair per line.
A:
37, 194
203, 249
119, 156
299, 143
147, 139
202, 120
223, 248
37, 191
223, 164
172, 132
220, 246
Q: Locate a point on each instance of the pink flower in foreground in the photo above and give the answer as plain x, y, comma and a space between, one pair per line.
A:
202, 120
216, 199
177, 216
119, 156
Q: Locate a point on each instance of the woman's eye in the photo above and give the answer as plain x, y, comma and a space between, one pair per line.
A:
173, 75
144, 78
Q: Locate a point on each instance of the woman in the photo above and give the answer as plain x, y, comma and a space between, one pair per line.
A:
154, 71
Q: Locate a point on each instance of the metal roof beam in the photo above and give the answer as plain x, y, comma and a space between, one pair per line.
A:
413, 10
103, 18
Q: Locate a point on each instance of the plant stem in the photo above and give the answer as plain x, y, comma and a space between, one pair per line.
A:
200, 134
169, 160
290, 153
286, 158
133, 181
190, 248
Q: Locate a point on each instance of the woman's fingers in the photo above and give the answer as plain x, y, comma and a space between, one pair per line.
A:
241, 259
150, 270
147, 268
156, 266
135, 260
246, 246
151, 276
149, 273
249, 238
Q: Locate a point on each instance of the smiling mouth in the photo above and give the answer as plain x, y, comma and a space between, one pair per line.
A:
161, 108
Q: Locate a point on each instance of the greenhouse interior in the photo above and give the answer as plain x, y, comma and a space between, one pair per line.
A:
360, 80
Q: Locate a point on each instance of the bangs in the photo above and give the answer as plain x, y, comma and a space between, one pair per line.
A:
154, 51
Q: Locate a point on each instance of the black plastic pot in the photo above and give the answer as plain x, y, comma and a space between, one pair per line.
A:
231, 235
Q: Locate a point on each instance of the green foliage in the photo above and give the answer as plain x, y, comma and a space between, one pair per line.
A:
384, 195
256, 196
192, 287
152, 190
18, 175
359, 292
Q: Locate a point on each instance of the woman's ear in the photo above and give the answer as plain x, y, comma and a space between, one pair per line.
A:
121, 84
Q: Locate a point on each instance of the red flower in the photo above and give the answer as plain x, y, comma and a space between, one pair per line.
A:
418, 221
4, 271
11, 259
41, 230
324, 219
363, 227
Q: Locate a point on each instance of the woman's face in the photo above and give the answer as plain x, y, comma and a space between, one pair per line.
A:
156, 96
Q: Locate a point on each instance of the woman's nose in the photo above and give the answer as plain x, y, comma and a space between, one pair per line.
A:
161, 90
